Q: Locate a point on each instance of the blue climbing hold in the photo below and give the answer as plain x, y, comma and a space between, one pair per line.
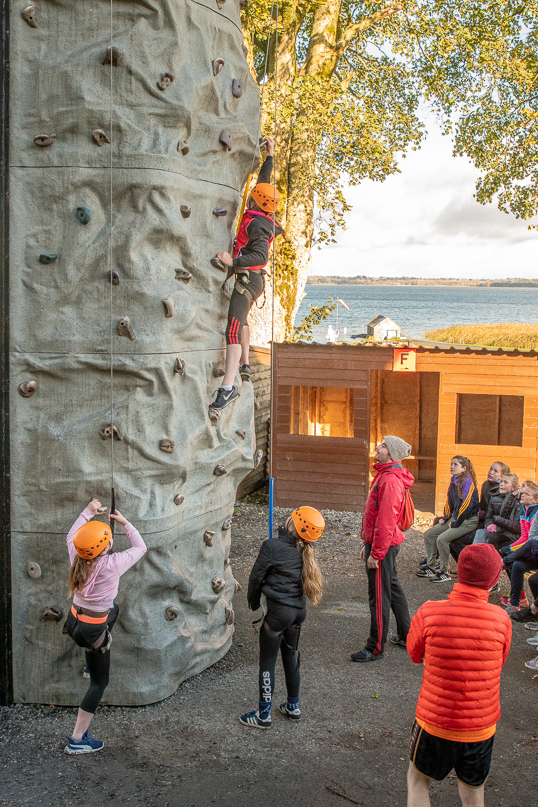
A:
47, 257
83, 215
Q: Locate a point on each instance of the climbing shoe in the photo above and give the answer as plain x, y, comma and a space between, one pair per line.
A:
86, 745
254, 719
293, 713
224, 397
244, 372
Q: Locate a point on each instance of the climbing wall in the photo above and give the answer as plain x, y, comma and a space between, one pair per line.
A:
128, 157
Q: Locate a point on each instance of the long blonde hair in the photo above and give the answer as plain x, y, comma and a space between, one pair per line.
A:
80, 571
311, 575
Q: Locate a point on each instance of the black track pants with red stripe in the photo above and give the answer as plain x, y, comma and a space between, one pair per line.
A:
240, 306
384, 593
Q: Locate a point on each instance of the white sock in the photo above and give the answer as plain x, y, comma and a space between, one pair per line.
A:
227, 387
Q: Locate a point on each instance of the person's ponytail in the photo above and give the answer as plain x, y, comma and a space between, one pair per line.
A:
80, 571
311, 575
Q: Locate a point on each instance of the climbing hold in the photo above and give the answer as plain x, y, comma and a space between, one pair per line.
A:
227, 562
44, 140
165, 82
243, 4
256, 405
28, 389
33, 569
220, 3
51, 613
185, 211
109, 431
28, 14
226, 524
100, 137
218, 64
182, 274
113, 277
214, 415
124, 328
244, 49
169, 307
183, 147
101, 511
83, 215
220, 211
238, 585
257, 458
111, 56
238, 88
218, 372
171, 613
167, 445
218, 584
226, 139
219, 470
242, 433
208, 537
179, 366
179, 499
47, 257
229, 615
218, 264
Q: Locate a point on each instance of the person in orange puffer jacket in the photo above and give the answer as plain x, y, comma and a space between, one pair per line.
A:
464, 642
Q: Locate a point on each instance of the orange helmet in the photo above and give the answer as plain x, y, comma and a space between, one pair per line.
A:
266, 196
90, 539
308, 522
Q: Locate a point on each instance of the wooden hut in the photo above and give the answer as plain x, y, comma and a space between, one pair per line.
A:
334, 403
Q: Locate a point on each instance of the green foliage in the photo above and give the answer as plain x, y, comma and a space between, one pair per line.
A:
318, 313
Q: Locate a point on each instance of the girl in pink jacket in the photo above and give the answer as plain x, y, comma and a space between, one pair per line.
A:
93, 583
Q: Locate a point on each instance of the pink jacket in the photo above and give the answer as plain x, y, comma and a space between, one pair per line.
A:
102, 584
384, 508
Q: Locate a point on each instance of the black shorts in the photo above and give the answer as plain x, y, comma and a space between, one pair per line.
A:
435, 757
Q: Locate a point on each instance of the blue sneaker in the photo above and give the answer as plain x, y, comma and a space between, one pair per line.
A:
254, 719
293, 713
86, 745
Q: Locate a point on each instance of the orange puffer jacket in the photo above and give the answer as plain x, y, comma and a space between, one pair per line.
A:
464, 642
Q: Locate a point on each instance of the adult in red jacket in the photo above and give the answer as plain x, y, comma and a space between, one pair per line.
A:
381, 539
463, 642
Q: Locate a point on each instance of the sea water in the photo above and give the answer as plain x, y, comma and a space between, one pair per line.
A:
417, 309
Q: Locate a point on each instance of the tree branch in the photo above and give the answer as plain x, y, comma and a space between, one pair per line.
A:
363, 25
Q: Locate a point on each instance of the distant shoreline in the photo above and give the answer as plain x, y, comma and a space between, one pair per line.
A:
361, 280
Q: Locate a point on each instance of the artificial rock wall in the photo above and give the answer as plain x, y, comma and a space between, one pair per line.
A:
176, 78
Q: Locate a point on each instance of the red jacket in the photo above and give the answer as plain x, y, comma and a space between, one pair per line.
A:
384, 508
464, 642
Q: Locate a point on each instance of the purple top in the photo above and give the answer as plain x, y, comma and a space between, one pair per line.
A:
102, 584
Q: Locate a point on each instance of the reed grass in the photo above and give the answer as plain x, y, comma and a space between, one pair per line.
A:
520, 335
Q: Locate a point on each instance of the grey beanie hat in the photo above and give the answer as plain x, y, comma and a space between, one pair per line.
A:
398, 448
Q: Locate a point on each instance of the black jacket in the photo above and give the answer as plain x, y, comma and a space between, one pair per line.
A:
254, 246
277, 572
489, 489
507, 520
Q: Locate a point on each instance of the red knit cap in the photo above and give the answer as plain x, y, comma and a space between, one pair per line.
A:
479, 565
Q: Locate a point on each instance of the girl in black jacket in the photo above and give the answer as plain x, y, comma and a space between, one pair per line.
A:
286, 573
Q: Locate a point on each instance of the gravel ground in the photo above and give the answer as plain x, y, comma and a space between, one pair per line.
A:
350, 747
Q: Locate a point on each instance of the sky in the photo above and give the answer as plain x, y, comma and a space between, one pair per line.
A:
425, 222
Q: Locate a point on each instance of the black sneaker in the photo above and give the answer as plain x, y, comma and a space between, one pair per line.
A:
426, 571
395, 639
524, 615
441, 577
365, 655
244, 372
224, 397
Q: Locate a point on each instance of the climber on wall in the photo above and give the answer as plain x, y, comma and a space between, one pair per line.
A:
93, 583
251, 253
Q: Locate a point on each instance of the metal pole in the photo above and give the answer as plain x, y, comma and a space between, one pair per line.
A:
6, 649
271, 490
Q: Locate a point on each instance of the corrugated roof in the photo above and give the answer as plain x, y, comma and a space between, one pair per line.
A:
433, 347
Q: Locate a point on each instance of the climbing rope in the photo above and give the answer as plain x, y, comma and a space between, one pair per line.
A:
110, 258
273, 280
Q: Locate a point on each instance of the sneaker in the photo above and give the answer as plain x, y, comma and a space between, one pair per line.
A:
86, 745
244, 371
441, 577
512, 610
254, 719
523, 603
365, 655
85, 671
529, 623
423, 563
525, 615
426, 571
533, 640
293, 714
496, 588
532, 664
224, 397
395, 639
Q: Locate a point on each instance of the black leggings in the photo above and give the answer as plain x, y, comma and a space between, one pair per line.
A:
240, 305
280, 630
86, 635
